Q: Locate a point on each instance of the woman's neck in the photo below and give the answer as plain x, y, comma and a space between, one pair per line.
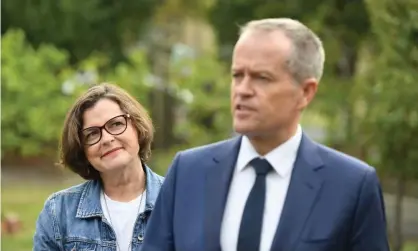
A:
125, 185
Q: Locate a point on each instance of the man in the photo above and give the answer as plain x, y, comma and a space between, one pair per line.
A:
273, 188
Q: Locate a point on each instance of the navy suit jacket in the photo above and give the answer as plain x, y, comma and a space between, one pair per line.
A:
334, 202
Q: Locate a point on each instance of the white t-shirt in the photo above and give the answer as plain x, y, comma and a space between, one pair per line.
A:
122, 217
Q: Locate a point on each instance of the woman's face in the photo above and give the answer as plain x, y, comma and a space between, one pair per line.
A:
115, 144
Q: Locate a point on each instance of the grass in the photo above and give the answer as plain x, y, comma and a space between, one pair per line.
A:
28, 200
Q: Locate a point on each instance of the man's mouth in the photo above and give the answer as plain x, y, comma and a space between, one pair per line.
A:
243, 108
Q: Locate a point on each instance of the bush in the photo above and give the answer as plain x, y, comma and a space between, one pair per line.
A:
39, 86
34, 105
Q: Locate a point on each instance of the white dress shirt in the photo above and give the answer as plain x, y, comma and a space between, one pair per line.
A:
282, 159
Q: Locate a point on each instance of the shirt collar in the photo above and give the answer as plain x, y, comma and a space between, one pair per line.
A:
281, 158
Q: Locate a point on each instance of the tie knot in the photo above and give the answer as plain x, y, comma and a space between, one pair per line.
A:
261, 166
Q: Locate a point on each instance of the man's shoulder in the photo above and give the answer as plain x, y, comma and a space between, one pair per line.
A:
342, 164
208, 149
204, 156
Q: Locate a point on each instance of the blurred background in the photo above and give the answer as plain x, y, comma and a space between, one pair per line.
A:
174, 57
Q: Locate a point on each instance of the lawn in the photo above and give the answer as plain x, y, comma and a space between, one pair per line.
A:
27, 201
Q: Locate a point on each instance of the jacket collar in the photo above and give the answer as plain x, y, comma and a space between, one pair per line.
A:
304, 187
89, 204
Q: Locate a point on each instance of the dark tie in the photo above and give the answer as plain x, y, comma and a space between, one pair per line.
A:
250, 230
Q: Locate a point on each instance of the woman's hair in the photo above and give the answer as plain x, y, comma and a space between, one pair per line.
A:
72, 153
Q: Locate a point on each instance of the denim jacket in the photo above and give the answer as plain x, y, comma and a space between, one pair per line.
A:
73, 220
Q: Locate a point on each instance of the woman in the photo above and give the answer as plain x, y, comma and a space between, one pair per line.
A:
106, 140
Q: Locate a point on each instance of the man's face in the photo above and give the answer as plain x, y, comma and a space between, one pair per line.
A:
264, 96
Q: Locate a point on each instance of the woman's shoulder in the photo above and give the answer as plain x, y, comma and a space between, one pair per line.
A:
71, 192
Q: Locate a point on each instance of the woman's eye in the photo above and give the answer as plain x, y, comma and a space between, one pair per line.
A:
117, 123
92, 134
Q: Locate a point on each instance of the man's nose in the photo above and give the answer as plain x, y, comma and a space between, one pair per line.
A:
244, 87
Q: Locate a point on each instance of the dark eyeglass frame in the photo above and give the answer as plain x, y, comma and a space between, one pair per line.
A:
100, 129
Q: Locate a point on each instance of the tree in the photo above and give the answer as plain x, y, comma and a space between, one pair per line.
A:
393, 111
165, 32
32, 97
80, 26
206, 106
341, 24
39, 86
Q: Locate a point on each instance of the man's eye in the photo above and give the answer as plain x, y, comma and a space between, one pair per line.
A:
264, 78
236, 75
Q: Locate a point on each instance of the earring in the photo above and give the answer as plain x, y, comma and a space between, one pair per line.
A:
88, 170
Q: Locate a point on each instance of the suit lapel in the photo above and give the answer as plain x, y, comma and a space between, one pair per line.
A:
218, 179
303, 190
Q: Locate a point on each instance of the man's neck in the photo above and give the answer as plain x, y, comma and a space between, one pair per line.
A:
265, 143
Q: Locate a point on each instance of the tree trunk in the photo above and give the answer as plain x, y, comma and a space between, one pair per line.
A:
162, 103
397, 230
346, 70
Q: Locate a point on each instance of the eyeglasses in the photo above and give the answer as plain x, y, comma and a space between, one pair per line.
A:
114, 126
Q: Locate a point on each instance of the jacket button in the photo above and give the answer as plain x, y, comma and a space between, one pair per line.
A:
140, 237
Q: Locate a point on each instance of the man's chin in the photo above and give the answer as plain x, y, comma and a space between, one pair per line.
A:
246, 130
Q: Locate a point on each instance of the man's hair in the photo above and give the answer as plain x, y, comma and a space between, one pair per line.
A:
72, 153
308, 56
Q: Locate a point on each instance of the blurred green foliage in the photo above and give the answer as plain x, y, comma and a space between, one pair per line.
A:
39, 87
80, 26
206, 116
33, 105
341, 24
360, 93
393, 115
366, 100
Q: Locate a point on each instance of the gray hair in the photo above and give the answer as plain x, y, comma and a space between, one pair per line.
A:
308, 56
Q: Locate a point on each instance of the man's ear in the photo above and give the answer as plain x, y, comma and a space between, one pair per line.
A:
309, 88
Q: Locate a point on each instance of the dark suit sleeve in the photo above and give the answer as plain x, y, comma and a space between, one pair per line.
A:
159, 232
369, 231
